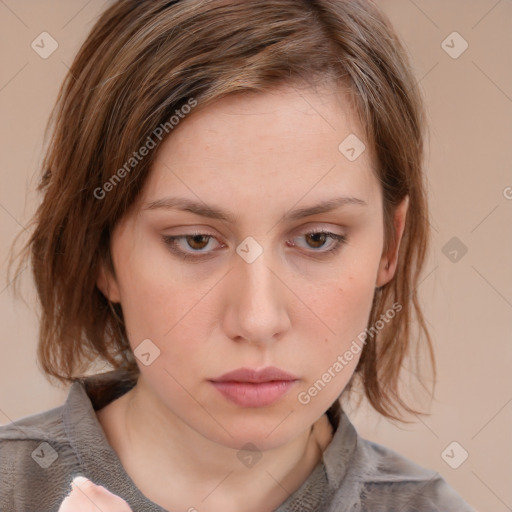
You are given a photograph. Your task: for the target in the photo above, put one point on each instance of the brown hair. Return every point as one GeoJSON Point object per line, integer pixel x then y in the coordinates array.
{"type": "Point", "coordinates": [141, 64]}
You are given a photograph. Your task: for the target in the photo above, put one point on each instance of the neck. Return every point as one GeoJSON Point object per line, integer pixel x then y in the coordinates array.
{"type": "Point", "coordinates": [167, 458]}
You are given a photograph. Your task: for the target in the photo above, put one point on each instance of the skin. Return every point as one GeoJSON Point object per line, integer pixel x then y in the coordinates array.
{"type": "Point", "coordinates": [257, 156]}
{"type": "Point", "coordinates": [85, 496]}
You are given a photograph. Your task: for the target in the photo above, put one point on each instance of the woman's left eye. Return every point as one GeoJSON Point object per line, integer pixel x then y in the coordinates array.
{"type": "Point", "coordinates": [196, 243]}
{"type": "Point", "coordinates": [319, 238]}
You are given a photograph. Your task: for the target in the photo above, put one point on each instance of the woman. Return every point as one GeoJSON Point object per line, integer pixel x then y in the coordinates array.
{"type": "Point", "coordinates": [234, 218]}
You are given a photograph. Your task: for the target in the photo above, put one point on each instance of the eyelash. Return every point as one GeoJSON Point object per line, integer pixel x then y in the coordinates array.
{"type": "Point", "coordinates": [170, 241]}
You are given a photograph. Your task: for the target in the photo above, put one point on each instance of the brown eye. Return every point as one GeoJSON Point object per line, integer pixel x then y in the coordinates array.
{"type": "Point", "coordinates": [192, 245]}
{"type": "Point", "coordinates": [195, 242]}
{"type": "Point", "coordinates": [318, 239]}
{"type": "Point", "coordinates": [329, 242]}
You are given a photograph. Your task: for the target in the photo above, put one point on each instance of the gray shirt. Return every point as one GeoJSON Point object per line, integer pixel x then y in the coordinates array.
{"type": "Point", "coordinates": [40, 455]}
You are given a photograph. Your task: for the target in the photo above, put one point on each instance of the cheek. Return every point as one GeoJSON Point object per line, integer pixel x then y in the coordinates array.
{"type": "Point", "coordinates": [343, 303]}
{"type": "Point", "coordinates": [151, 301]}
{"type": "Point", "coordinates": [144, 299]}
{"type": "Point", "coordinates": [344, 308]}
{"type": "Point", "coordinates": [343, 314]}
{"type": "Point", "coordinates": [161, 305]}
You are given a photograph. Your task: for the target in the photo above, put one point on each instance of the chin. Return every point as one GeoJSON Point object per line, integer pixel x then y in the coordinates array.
{"type": "Point", "coordinates": [264, 430]}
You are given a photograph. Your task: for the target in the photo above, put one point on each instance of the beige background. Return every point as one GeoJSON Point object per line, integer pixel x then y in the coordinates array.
{"type": "Point", "coordinates": [468, 302]}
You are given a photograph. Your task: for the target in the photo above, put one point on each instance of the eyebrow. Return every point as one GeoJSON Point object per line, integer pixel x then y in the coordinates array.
{"type": "Point", "coordinates": [204, 210]}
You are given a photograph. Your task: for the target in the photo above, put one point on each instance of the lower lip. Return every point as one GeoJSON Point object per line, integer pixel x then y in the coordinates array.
{"type": "Point", "coordinates": [248, 394]}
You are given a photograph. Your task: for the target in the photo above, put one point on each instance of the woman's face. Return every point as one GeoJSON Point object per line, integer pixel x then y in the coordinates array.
{"type": "Point", "coordinates": [258, 288]}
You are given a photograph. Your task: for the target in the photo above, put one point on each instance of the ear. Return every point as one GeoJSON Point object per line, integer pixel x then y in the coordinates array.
{"type": "Point", "coordinates": [107, 283]}
{"type": "Point", "coordinates": [388, 262]}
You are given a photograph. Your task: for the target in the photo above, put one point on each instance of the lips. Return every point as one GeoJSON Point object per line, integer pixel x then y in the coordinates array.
{"type": "Point", "coordinates": [268, 374]}
{"type": "Point", "coordinates": [254, 388]}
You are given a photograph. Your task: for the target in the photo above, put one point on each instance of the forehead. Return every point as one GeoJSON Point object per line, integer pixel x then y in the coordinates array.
{"type": "Point", "coordinates": [283, 144]}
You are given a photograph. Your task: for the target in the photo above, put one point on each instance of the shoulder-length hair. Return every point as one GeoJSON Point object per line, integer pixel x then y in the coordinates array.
{"type": "Point", "coordinates": [145, 62]}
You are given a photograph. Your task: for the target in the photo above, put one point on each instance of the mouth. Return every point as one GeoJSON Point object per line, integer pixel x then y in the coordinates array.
{"type": "Point", "coordinates": [268, 374]}
{"type": "Point", "coordinates": [254, 388]}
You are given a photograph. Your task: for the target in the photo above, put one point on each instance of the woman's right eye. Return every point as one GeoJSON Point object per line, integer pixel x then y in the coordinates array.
{"type": "Point", "coordinates": [190, 244]}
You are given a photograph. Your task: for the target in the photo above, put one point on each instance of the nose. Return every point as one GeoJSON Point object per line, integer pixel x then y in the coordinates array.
{"type": "Point", "coordinates": [257, 302]}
